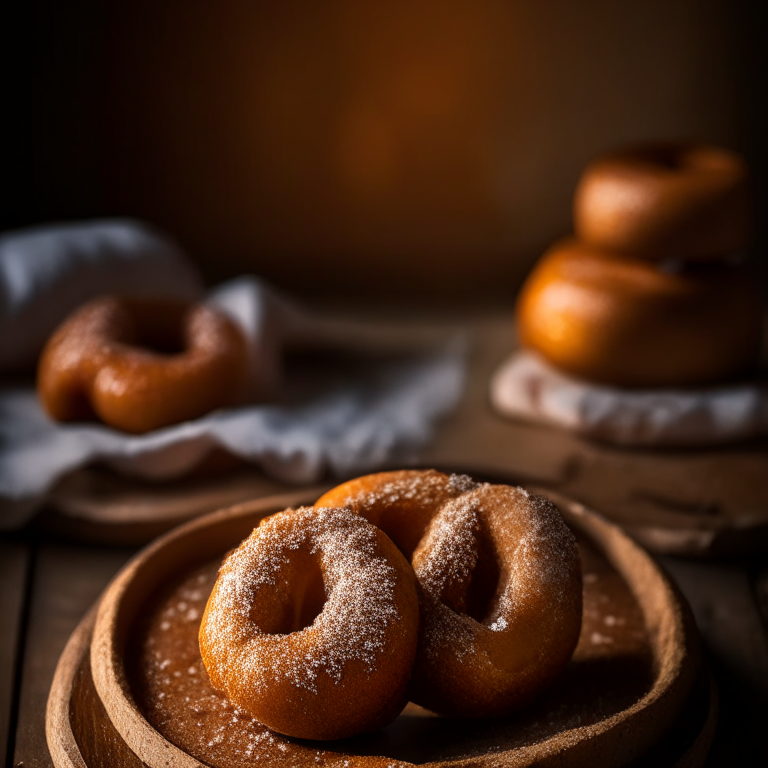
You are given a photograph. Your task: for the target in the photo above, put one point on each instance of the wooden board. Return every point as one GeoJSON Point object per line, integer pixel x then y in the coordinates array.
{"type": "Point", "coordinates": [686, 744]}
{"type": "Point", "coordinates": [736, 642]}
{"type": "Point", "coordinates": [691, 502]}
{"type": "Point", "coordinates": [67, 579]}
{"type": "Point", "coordinates": [100, 506]}
{"type": "Point", "coordinates": [14, 572]}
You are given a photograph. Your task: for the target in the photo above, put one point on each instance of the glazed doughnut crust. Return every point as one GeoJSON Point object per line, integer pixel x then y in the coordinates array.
{"type": "Point", "coordinates": [500, 585]}
{"type": "Point", "coordinates": [312, 625]}
{"type": "Point", "coordinates": [142, 364]}
{"type": "Point", "coordinates": [665, 201]}
{"type": "Point", "coordinates": [622, 321]}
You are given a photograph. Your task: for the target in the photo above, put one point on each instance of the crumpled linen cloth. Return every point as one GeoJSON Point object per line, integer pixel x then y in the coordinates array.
{"type": "Point", "coordinates": [375, 405]}
{"type": "Point", "coordinates": [527, 388]}
{"type": "Point", "coordinates": [47, 272]}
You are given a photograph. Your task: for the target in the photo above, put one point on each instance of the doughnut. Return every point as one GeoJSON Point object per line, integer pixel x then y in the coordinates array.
{"type": "Point", "coordinates": [142, 364]}
{"type": "Point", "coordinates": [626, 322]}
{"type": "Point", "coordinates": [681, 201]}
{"type": "Point", "coordinates": [312, 625]}
{"type": "Point", "coordinates": [499, 579]}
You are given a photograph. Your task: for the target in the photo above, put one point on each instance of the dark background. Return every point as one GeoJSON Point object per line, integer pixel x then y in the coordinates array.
{"type": "Point", "coordinates": [409, 151]}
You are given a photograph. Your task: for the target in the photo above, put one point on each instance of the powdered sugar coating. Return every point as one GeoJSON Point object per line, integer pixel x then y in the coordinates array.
{"type": "Point", "coordinates": [252, 638]}
{"type": "Point", "coordinates": [526, 631]}
{"type": "Point", "coordinates": [461, 483]}
{"type": "Point", "coordinates": [401, 503]}
{"type": "Point", "coordinates": [501, 585]}
{"type": "Point", "coordinates": [360, 588]}
{"type": "Point", "coordinates": [452, 539]}
{"type": "Point", "coordinates": [426, 489]}
{"type": "Point", "coordinates": [185, 709]}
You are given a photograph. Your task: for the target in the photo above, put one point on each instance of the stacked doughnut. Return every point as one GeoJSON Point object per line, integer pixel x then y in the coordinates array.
{"type": "Point", "coordinates": [460, 596]}
{"type": "Point", "coordinates": [653, 290]}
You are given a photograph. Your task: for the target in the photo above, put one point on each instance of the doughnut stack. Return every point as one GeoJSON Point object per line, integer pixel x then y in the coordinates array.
{"type": "Point", "coordinates": [653, 290]}
{"type": "Point", "coordinates": [463, 597]}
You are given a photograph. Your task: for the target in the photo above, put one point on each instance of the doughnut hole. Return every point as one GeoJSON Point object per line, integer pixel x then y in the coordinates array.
{"type": "Point", "coordinates": [483, 589]}
{"type": "Point", "coordinates": [294, 610]}
{"type": "Point", "coordinates": [160, 327]}
{"type": "Point", "coordinates": [458, 562]}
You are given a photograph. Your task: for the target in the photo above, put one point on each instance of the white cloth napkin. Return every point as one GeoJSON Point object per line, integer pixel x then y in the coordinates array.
{"type": "Point", "coordinates": [47, 272]}
{"type": "Point", "coordinates": [527, 388]}
{"type": "Point", "coordinates": [377, 404]}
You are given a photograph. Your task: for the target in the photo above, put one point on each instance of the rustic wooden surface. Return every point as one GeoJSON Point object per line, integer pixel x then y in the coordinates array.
{"type": "Point", "coordinates": [693, 502]}
{"type": "Point", "coordinates": [14, 569]}
{"type": "Point", "coordinates": [47, 583]}
{"type": "Point", "coordinates": [65, 579]}
{"type": "Point", "coordinates": [735, 634]}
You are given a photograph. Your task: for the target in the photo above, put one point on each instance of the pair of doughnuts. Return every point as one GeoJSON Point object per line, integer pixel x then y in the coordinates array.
{"type": "Point", "coordinates": [142, 364]}
{"type": "Point", "coordinates": [486, 615]}
{"type": "Point", "coordinates": [650, 292]}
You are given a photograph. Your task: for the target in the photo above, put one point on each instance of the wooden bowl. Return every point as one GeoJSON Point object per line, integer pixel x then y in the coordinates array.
{"type": "Point", "coordinates": [81, 735]}
{"type": "Point", "coordinates": [636, 726]}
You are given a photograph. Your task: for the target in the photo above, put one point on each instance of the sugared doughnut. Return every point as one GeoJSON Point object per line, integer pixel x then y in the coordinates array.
{"type": "Point", "coordinates": [500, 584]}
{"type": "Point", "coordinates": [312, 625]}
{"type": "Point", "coordinates": [142, 364]}
{"type": "Point", "coordinates": [662, 201]}
{"type": "Point", "coordinates": [628, 322]}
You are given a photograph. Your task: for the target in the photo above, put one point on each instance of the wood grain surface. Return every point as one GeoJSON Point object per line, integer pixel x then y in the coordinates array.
{"type": "Point", "coordinates": [66, 582]}
{"type": "Point", "coordinates": [78, 731]}
{"type": "Point", "coordinates": [730, 647]}
{"type": "Point", "coordinates": [736, 642]}
{"type": "Point", "coordinates": [14, 571]}
{"type": "Point", "coordinates": [692, 502]}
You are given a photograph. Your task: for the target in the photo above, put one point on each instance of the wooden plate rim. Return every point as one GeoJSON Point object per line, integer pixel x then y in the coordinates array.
{"type": "Point", "coordinates": [65, 751]}
{"type": "Point", "coordinates": [62, 744]}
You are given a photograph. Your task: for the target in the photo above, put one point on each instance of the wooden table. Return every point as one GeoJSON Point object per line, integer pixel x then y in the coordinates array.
{"type": "Point", "coordinates": [48, 582]}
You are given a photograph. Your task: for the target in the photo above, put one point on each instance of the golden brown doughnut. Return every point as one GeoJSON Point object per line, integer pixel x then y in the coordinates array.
{"type": "Point", "coordinates": [665, 201]}
{"type": "Point", "coordinates": [500, 585]}
{"type": "Point", "coordinates": [312, 625]}
{"type": "Point", "coordinates": [142, 364]}
{"type": "Point", "coordinates": [626, 322]}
